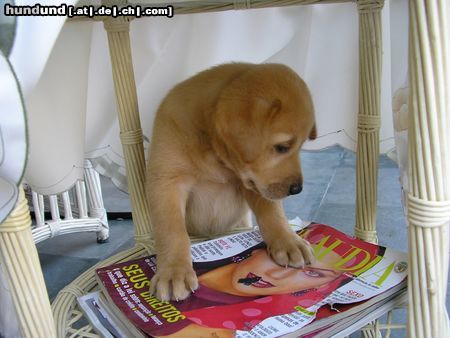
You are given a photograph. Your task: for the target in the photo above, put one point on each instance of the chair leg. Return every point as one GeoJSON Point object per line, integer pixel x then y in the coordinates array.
{"type": "Point", "coordinates": [20, 259]}
{"type": "Point", "coordinates": [429, 166]}
{"type": "Point", "coordinates": [96, 206]}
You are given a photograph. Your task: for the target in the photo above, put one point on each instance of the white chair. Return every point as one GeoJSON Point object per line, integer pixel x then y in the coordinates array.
{"type": "Point", "coordinates": [81, 207]}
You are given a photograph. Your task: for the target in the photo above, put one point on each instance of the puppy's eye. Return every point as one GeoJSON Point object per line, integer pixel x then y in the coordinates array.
{"type": "Point", "coordinates": [281, 148]}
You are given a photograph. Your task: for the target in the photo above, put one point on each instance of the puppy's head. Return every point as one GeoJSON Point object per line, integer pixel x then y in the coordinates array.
{"type": "Point", "coordinates": [261, 120]}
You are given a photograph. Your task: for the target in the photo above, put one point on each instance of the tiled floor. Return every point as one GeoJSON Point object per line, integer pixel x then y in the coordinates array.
{"type": "Point", "coordinates": [328, 197]}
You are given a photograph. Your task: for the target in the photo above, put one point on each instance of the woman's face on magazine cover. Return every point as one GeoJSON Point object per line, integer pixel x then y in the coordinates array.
{"type": "Point", "coordinates": [260, 275]}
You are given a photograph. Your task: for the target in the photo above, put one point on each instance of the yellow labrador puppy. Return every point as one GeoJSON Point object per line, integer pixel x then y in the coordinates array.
{"type": "Point", "coordinates": [225, 142]}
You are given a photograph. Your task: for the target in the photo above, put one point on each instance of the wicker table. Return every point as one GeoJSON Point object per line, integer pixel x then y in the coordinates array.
{"type": "Point", "coordinates": [429, 152]}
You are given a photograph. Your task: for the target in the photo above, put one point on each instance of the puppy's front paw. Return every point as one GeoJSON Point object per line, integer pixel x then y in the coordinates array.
{"type": "Point", "coordinates": [174, 281]}
{"type": "Point", "coordinates": [291, 250]}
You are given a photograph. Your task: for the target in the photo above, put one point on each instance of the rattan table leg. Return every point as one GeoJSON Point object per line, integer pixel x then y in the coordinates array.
{"type": "Point", "coordinates": [370, 68]}
{"type": "Point", "coordinates": [368, 117]}
{"type": "Point", "coordinates": [19, 257]}
{"type": "Point", "coordinates": [130, 127]}
{"type": "Point", "coordinates": [429, 167]}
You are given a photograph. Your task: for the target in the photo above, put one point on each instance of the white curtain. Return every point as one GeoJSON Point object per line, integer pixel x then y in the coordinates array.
{"type": "Point", "coordinates": [72, 110]}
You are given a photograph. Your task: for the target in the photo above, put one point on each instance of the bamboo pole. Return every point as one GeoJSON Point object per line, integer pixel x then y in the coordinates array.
{"type": "Point", "coordinates": [429, 165]}
{"type": "Point", "coordinates": [368, 117]}
{"type": "Point", "coordinates": [130, 127]}
{"type": "Point", "coordinates": [19, 257]}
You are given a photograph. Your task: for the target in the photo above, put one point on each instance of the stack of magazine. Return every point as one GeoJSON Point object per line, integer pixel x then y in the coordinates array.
{"type": "Point", "coordinates": [243, 293]}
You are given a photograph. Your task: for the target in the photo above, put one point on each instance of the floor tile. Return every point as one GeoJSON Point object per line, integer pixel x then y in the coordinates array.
{"type": "Point", "coordinates": [305, 204]}
{"type": "Point", "coordinates": [61, 270]}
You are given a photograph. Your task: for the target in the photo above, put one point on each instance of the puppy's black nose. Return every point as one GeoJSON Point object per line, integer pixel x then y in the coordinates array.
{"type": "Point", "coordinates": [295, 189]}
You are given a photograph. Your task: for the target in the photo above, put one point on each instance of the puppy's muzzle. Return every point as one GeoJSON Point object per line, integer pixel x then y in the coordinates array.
{"type": "Point", "coordinates": [281, 190]}
{"type": "Point", "coordinates": [295, 188]}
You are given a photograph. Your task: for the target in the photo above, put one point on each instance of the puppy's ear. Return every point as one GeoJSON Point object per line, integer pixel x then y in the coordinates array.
{"type": "Point", "coordinates": [313, 133]}
{"type": "Point", "coordinates": [238, 141]}
{"type": "Point", "coordinates": [239, 123]}
{"type": "Point", "coordinates": [275, 108]}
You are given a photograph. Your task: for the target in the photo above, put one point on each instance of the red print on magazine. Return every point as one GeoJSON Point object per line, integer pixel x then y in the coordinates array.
{"type": "Point", "coordinates": [247, 294]}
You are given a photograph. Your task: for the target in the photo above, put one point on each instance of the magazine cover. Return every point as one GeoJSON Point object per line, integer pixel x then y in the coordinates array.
{"type": "Point", "coordinates": [243, 293]}
{"type": "Point", "coordinates": [104, 319]}
{"type": "Point", "coordinates": [98, 318]}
